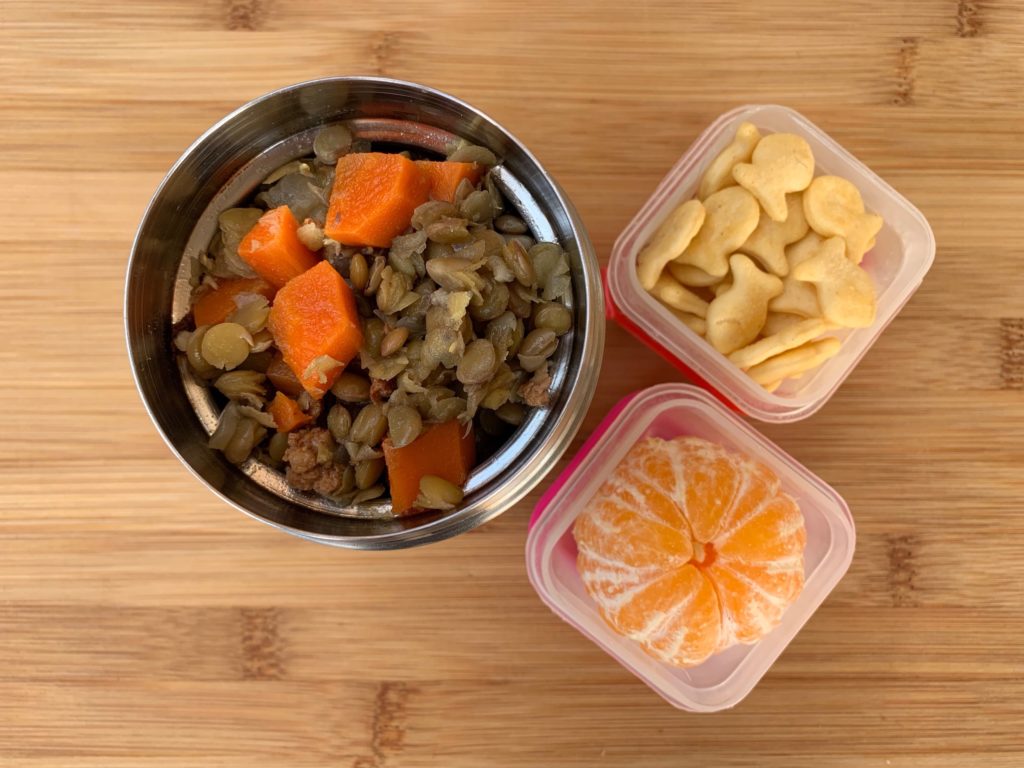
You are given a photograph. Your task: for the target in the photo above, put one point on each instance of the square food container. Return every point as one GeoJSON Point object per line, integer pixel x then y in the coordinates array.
{"type": "Point", "coordinates": [903, 253]}
{"type": "Point", "coordinates": [668, 411]}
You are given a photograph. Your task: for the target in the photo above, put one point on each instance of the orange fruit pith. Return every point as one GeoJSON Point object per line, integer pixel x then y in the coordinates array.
{"type": "Point", "coordinates": [689, 548]}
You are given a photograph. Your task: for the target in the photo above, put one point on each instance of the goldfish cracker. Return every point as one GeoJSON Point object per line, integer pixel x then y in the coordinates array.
{"type": "Point", "coordinates": [668, 242]}
{"type": "Point", "coordinates": [833, 207]}
{"type": "Point", "coordinates": [767, 243]}
{"type": "Point", "coordinates": [794, 362]}
{"type": "Point", "coordinates": [776, 322]}
{"type": "Point", "coordinates": [668, 291]}
{"type": "Point", "coordinates": [718, 174]}
{"type": "Point", "coordinates": [781, 163]}
{"type": "Point", "coordinates": [845, 291]}
{"type": "Point", "coordinates": [730, 216]}
{"type": "Point", "coordinates": [794, 336]}
{"type": "Point", "coordinates": [798, 297]}
{"type": "Point", "coordinates": [696, 324]}
{"type": "Point", "coordinates": [691, 276]}
{"type": "Point", "coordinates": [736, 316]}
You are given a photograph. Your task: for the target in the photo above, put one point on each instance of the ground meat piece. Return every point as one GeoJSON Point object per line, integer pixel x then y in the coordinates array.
{"type": "Point", "coordinates": [381, 390]}
{"type": "Point", "coordinates": [302, 480]}
{"type": "Point", "coordinates": [536, 391]}
{"type": "Point", "coordinates": [330, 478]}
{"type": "Point", "coordinates": [310, 459]}
{"type": "Point", "coordinates": [304, 447]}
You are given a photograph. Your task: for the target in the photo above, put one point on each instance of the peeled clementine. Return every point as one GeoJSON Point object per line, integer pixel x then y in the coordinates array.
{"type": "Point", "coordinates": [689, 548]}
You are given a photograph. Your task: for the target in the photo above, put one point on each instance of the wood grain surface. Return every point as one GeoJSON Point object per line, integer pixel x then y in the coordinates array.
{"type": "Point", "coordinates": [144, 623]}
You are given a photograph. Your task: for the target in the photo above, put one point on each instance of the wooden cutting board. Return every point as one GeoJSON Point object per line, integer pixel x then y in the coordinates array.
{"type": "Point", "coordinates": [144, 623]}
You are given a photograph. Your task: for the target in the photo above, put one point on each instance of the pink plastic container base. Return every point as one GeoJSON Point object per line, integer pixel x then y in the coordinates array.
{"type": "Point", "coordinates": [667, 411]}
{"type": "Point", "coordinates": [903, 253]}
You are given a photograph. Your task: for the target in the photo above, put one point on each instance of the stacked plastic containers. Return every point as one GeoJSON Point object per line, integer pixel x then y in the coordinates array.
{"type": "Point", "coordinates": [902, 255]}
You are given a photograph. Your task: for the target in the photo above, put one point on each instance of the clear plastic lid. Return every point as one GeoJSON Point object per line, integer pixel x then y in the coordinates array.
{"type": "Point", "coordinates": [667, 411]}
{"type": "Point", "coordinates": [903, 253]}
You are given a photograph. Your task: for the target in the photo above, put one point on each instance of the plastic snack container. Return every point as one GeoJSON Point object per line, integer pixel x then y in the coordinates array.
{"type": "Point", "coordinates": [903, 253]}
{"type": "Point", "coordinates": [667, 411]}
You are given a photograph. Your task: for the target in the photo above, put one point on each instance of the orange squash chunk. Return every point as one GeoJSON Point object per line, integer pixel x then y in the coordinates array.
{"type": "Point", "coordinates": [446, 176]}
{"type": "Point", "coordinates": [373, 198]}
{"type": "Point", "coordinates": [273, 248]}
{"type": "Point", "coordinates": [215, 306]}
{"type": "Point", "coordinates": [314, 317]}
{"type": "Point", "coordinates": [286, 413]}
{"type": "Point", "coordinates": [442, 450]}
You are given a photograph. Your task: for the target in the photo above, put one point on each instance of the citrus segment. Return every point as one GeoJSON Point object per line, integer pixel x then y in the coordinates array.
{"type": "Point", "coordinates": [638, 542]}
{"type": "Point", "coordinates": [709, 484]}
